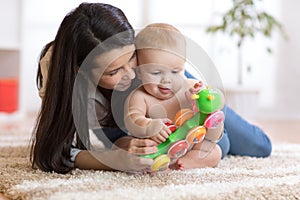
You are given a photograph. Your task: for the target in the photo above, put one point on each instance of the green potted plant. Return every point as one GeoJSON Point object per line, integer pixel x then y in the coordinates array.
{"type": "Point", "coordinates": [243, 21]}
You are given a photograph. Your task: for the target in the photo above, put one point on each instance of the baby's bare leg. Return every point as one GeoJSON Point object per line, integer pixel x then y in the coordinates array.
{"type": "Point", "coordinates": [193, 159]}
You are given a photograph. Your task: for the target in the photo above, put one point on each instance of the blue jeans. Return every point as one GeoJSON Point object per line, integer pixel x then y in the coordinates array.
{"type": "Point", "coordinates": [240, 137]}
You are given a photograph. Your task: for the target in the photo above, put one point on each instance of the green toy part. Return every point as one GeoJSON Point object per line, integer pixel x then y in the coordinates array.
{"type": "Point", "coordinates": [209, 100]}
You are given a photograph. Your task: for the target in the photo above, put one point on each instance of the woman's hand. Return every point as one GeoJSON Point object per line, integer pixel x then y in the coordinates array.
{"type": "Point", "coordinates": [136, 146]}
{"type": "Point", "coordinates": [122, 160]}
{"type": "Point", "coordinates": [132, 148]}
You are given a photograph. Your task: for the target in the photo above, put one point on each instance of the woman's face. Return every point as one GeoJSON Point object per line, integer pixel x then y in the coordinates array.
{"type": "Point", "coordinates": [119, 68]}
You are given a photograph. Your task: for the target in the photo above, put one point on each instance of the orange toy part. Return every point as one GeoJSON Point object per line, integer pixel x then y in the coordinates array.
{"type": "Point", "coordinates": [196, 134]}
{"type": "Point", "coordinates": [182, 116]}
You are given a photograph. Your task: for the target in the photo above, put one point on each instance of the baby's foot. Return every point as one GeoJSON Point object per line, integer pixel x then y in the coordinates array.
{"type": "Point", "coordinates": [186, 162]}
{"type": "Point", "coordinates": [192, 160]}
{"type": "Point", "coordinates": [178, 165]}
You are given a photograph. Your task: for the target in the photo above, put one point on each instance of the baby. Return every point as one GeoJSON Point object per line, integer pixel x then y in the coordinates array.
{"type": "Point", "coordinates": [161, 50]}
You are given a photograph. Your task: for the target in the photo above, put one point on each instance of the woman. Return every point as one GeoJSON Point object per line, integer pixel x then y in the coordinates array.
{"type": "Point", "coordinates": [80, 32]}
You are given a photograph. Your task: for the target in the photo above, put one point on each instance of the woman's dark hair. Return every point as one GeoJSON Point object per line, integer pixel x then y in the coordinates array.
{"type": "Point", "coordinates": [83, 29]}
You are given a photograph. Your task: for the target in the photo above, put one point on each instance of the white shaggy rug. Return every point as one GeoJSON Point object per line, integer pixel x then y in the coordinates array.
{"type": "Point", "coordinates": [276, 177]}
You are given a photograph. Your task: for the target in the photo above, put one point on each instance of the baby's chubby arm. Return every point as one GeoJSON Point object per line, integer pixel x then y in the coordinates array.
{"type": "Point", "coordinates": [138, 124]}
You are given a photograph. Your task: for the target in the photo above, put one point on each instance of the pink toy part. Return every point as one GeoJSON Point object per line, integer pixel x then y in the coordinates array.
{"type": "Point", "coordinates": [196, 134]}
{"type": "Point", "coordinates": [191, 101]}
{"type": "Point", "coordinates": [214, 119]}
{"type": "Point", "coordinates": [178, 149]}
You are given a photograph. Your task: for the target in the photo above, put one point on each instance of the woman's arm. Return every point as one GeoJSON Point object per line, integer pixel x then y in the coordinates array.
{"type": "Point", "coordinates": [85, 160]}
{"type": "Point", "coordinates": [122, 157]}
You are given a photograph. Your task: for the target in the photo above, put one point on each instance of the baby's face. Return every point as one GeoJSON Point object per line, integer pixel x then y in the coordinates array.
{"type": "Point", "coordinates": [161, 72]}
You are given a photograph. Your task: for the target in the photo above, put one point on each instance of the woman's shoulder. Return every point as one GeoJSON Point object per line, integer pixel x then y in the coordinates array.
{"type": "Point", "coordinates": [44, 67]}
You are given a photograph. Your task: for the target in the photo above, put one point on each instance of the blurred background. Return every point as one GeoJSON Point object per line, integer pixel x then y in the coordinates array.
{"type": "Point", "coordinates": [270, 89]}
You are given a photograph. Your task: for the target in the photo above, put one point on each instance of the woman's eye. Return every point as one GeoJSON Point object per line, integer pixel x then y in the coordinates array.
{"type": "Point", "coordinates": [133, 57]}
{"type": "Point", "coordinates": [114, 72]}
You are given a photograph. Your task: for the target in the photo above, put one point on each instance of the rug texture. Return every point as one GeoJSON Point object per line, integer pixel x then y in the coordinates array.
{"type": "Point", "coordinates": [276, 177]}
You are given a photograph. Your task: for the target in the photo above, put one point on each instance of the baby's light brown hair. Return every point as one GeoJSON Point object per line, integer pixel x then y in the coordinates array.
{"type": "Point", "coordinates": [161, 36]}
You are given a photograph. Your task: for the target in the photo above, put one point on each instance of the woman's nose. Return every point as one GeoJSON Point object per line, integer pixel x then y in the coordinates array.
{"type": "Point", "coordinates": [129, 73]}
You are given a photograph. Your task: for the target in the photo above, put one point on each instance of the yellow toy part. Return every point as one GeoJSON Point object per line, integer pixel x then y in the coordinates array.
{"type": "Point", "coordinates": [161, 163]}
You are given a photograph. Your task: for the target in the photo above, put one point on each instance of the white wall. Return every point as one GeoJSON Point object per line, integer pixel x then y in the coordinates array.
{"type": "Point", "coordinates": [39, 21]}
{"type": "Point", "coordinates": [287, 76]}
{"type": "Point", "coordinates": [10, 24]}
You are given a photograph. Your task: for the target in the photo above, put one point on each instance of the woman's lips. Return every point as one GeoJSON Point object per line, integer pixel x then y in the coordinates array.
{"type": "Point", "coordinates": [125, 84]}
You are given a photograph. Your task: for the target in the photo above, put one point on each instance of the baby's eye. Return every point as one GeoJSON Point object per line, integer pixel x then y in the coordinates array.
{"type": "Point", "coordinates": [175, 71]}
{"type": "Point", "coordinates": [155, 72]}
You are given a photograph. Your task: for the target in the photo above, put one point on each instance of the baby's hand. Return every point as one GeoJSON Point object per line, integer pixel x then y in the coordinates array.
{"type": "Point", "coordinates": [197, 87]}
{"type": "Point", "coordinates": [194, 90]}
{"type": "Point", "coordinates": [164, 133]}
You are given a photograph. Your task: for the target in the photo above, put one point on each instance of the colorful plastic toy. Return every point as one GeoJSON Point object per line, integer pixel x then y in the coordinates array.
{"type": "Point", "coordinates": [191, 127]}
